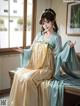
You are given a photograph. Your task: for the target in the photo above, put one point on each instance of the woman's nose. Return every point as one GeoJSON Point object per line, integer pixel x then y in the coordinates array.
{"type": "Point", "coordinates": [45, 25]}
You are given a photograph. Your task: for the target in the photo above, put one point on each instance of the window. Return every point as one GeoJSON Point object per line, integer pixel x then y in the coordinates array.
{"type": "Point", "coordinates": [5, 0]}
{"type": "Point", "coordinates": [15, 1]}
{"type": "Point", "coordinates": [16, 24]}
{"type": "Point", "coordinates": [5, 10]}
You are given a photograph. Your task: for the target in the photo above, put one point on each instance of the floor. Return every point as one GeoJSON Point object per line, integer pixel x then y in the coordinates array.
{"type": "Point", "coordinates": [69, 100]}
{"type": "Point", "coordinates": [4, 99]}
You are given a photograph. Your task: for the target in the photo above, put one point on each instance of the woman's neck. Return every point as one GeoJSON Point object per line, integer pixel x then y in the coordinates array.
{"type": "Point", "coordinates": [48, 33]}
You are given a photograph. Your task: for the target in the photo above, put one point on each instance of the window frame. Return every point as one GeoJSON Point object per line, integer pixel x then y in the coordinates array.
{"type": "Point", "coordinates": [15, 50]}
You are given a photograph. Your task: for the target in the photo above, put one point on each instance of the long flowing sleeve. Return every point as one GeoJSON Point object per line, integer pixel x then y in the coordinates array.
{"type": "Point", "coordinates": [58, 45]}
{"type": "Point", "coordinates": [26, 57]}
{"type": "Point", "coordinates": [71, 63]}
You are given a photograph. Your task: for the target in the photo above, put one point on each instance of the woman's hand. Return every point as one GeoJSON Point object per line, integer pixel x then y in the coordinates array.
{"type": "Point", "coordinates": [72, 44]}
{"type": "Point", "coordinates": [18, 50]}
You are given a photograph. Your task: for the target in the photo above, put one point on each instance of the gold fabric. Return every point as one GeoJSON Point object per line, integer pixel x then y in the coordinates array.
{"type": "Point", "coordinates": [29, 85]}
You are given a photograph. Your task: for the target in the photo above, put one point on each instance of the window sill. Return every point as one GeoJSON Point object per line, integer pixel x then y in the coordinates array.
{"type": "Point", "coordinates": [6, 51]}
{"type": "Point", "coordinates": [11, 51]}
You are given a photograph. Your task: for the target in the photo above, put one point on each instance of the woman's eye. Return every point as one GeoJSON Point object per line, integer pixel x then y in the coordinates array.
{"type": "Point", "coordinates": [45, 22]}
{"type": "Point", "coordinates": [42, 23]}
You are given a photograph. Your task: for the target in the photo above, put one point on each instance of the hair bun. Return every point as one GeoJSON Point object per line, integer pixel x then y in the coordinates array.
{"type": "Point", "coordinates": [49, 10]}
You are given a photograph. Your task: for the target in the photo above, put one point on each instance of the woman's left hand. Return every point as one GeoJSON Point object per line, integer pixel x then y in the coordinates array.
{"type": "Point", "coordinates": [72, 44]}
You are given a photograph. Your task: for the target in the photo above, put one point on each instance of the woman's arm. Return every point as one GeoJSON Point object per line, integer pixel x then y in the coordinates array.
{"type": "Point", "coordinates": [72, 44]}
{"type": "Point", "coordinates": [58, 45]}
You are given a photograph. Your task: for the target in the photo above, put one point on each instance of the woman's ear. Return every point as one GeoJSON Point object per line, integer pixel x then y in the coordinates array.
{"type": "Point", "coordinates": [53, 24]}
{"type": "Point", "coordinates": [42, 29]}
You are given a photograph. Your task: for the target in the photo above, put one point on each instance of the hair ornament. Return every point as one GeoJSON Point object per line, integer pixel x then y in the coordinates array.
{"type": "Point", "coordinates": [49, 11]}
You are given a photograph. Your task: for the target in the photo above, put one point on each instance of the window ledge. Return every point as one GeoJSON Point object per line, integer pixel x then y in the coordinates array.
{"type": "Point", "coordinates": [11, 51]}
{"type": "Point", "coordinates": [6, 51]}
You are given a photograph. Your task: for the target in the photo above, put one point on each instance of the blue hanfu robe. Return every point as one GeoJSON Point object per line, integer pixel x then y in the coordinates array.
{"type": "Point", "coordinates": [65, 56]}
{"type": "Point", "coordinates": [66, 59]}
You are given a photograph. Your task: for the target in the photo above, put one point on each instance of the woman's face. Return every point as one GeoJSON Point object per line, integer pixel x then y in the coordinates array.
{"type": "Point", "coordinates": [47, 25]}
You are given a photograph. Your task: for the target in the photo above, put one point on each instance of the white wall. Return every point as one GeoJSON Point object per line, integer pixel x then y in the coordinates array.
{"type": "Point", "coordinates": [41, 6]}
{"type": "Point", "coordinates": [7, 63]}
{"type": "Point", "coordinates": [61, 9]}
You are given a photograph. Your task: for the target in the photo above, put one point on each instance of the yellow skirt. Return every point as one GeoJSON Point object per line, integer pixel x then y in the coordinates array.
{"type": "Point", "coordinates": [31, 85]}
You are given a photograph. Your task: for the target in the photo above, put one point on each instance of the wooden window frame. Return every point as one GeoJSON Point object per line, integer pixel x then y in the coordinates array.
{"type": "Point", "coordinates": [16, 50]}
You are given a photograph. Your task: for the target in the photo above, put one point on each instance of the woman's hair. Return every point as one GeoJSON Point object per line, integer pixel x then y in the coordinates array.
{"type": "Point", "coordinates": [50, 15]}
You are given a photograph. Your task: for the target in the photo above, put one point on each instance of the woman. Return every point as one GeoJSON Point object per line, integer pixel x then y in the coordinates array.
{"type": "Point", "coordinates": [44, 61]}
{"type": "Point", "coordinates": [44, 50]}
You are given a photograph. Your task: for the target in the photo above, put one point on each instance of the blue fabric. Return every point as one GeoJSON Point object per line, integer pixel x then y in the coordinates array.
{"type": "Point", "coordinates": [57, 93]}
{"type": "Point", "coordinates": [64, 57]}
{"type": "Point", "coordinates": [26, 57]}
{"type": "Point", "coordinates": [71, 62]}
